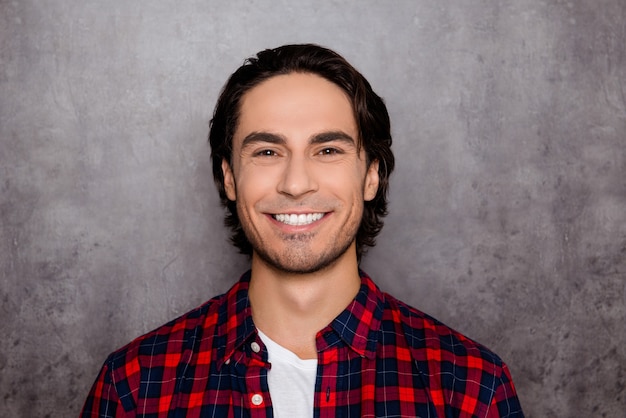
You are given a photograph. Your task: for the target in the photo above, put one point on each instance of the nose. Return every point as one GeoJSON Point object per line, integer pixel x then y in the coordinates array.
{"type": "Point", "coordinates": [297, 178]}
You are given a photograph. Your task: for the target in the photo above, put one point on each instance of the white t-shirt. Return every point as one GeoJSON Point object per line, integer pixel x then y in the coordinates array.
{"type": "Point", "coordinates": [291, 381]}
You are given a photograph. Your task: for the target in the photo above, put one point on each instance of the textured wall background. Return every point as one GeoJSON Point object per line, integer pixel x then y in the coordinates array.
{"type": "Point", "coordinates": [508, 207]}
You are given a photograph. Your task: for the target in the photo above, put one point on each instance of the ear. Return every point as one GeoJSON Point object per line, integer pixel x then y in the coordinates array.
{"type": "Point", "coordinates": [371, 181]}
{"type": "Point", "coordinates": [229, 181]}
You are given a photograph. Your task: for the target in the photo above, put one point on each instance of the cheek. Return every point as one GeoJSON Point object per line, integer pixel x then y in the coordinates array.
{"type": "Point", "coordinates": [345, 187]}
{"type": "Point", "coordinates": [253, 185]}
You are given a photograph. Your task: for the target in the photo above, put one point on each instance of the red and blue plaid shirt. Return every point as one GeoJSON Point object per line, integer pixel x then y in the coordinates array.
{"type": "Point", "coordinates": [378, 358]}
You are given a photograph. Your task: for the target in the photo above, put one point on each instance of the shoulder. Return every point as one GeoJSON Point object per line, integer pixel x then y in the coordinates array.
{"type": "Point", "coordinates": [469, 376]}
{"type": "Point", "coordinates": [153, 360]}
{"type": "Point", "coordinates": [167, 344]}
{"type": "Point", "coordinates": [423, 331]}
{"type": "Point", "coordinates": [447, 359]}
{"type": "Point", "coordinates": [152, 365]}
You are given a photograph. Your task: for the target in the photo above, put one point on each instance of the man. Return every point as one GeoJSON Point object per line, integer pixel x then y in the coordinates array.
{"type": "Point", "coordinates": [301, 157]}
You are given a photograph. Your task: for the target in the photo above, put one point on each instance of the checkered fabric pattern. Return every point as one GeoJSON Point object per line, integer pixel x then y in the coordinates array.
{"type": "Point", "coordinates": [378, 358]}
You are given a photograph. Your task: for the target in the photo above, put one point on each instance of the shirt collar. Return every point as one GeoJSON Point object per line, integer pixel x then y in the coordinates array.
{"type": "Point", "coordinates": [235, 323]}
{"type": "Point", "coordinates": [358, 326]}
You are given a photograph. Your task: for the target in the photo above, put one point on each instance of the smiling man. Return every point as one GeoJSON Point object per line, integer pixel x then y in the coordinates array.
{"type": "Point", "coordinates": [301, 151]}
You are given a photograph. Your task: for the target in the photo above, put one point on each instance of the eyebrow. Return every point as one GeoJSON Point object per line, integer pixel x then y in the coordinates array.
{"type": "Point", "coordinates": [319, 138]}
{"type": "Point", "coordinates": [255, 137]}
{"type": "Point", "coordinates": [332, 136]}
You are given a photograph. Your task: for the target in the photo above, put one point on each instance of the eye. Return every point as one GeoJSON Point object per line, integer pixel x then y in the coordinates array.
{"type": "Point", "coordinates": [266, 153]}
{"type": "Point", "coordinates": [329, 151]}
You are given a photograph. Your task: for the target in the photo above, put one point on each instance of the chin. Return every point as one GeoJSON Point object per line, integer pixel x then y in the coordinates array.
{"type": "Point", "coordinates": [303, 262]}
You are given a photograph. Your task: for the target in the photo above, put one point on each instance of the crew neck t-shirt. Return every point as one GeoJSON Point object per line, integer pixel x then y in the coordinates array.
{"type": "Point", "coordinates": [291, 381]}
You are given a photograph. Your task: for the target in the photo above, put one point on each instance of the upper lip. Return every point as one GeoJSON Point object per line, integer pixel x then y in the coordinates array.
{"type": "Point", "coordinates": [297, 212]}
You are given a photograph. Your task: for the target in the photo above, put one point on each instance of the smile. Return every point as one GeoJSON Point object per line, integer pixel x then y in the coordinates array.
{"type": "Point", "coordinates": [298, 220]}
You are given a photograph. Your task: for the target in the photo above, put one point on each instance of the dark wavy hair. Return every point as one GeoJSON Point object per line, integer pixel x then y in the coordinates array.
{"type": "Point", "coordinates": [369, 110]}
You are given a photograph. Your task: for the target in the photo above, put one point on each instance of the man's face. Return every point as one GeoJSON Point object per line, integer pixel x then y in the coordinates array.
{"type": "Point", "coordinates": [297, 175]}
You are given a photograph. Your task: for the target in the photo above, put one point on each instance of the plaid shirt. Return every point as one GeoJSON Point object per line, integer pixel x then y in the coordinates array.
{"type": "Point", "coordinates": [378, 358]}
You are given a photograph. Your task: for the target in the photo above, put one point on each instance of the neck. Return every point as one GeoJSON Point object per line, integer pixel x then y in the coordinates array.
{"type": "Point", "coordinates": [291, 308]}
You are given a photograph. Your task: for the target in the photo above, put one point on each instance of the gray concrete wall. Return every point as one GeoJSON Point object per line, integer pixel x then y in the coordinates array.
{"type": "Point", "coordinates": [508, 207]}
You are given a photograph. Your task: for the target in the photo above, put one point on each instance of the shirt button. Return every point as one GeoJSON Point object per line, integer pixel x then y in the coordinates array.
{"type": "Point", "coordinates": [256, 348]}
{"type": "Point", "coordinates": [257, 399]}
{"type": "Point", "coordinates": [227, 362]}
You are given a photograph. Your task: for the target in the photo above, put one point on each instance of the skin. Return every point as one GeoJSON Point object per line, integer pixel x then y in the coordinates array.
{"type": "Point", "coordinates": [295, 154]}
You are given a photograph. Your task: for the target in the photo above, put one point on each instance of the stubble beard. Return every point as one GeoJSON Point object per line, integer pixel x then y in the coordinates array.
{"type": "Point", "coordinates": [298, 259]}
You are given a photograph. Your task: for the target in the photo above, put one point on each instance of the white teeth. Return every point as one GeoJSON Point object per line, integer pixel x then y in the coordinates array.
{"type": "Point", "coordinates": [297, 220]}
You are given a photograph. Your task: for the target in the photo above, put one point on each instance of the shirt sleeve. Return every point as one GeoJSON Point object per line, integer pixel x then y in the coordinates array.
{"type": "Point", "coordinates": [103, 400]}
{"type": "Point", "coordinates": [505, 402]}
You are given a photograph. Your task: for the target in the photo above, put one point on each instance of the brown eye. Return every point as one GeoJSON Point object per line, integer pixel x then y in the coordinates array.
{"type": "Point", "coordinates": [330, 151]}
{"type": "Point", "coordinates": [266, 153]}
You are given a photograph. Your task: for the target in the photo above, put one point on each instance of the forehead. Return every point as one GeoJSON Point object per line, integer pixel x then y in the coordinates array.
{"type": "Point", "coordinates": [301, 101]}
